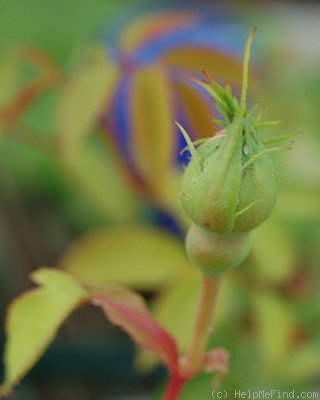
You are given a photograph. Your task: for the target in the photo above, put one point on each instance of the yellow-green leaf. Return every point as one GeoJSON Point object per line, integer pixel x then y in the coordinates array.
{"type": "Point", "coordinates": [96, 176]}
{"type": "Point", "coordinates": [152, 128]}
{"type": "Point", "coordinates": [273, 252]}
{"type": "Point", "coordinates": [303, 364]}
{"type": "Point", "coordinates": [138, 256]}
{"type": "Point", "coordinates": [33, 320]}
{"type": "Point", "coordinates": [87, 93]}
{"type": "Point", "coordinates": [180, 300]}
{"type": "Point", "coordinates": [274, 322]}
{"type": "Point", "coordinates": [169, 199]}
{"type": "Point", "coordinates": [83, 96]}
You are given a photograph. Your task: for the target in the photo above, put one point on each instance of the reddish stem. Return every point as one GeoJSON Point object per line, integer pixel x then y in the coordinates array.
{"type": "Point", "coordinates": [175, 384]}
{"type": "Point", "coordinates": [202, 326]}
{"type": "Point", "coordinates": [194, 359]}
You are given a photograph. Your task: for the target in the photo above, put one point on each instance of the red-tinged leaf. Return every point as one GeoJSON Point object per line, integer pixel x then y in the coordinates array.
{"type": "Point", "coordinates": [47, 74]}
{"type": "Point", "coordinates": [197, 111]}
{"type": "Point", "coordinates": [33, 320]}
{"type": "Point", "coordinates": [197, 59]}
{"type": "Point", "coordinates": [128, 310]}
{"type": "Point", "coordinates": [216, 360]}
{"type": "Point", "coordinates": [150, 27]}
{"type": "Point", "coordinates": [152, 128]}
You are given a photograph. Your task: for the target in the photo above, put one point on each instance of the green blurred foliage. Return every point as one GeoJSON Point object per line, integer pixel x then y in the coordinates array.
{"type": "Point", "coordinates": [56, 27]}
{"type": "Point", "coordinates": [268, 312]}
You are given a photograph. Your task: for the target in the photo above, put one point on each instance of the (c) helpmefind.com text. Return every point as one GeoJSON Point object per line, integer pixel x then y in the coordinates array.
{"type": "Point", "coordinates": [263, 394]}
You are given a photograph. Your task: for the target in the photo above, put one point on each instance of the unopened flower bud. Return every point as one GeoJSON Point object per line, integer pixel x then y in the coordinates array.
{"type": "Point", "coordinates": [229, 186]}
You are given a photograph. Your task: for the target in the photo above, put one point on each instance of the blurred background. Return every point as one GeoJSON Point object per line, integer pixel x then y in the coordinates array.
{"type": "Point", "coordinates": [89, 182]}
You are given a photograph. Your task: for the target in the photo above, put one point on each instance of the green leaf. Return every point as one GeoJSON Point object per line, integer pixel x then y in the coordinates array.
{"type": "Point", "coordinates": [273, 252]}
{"type": "Point", "coordinates": [138, 256]}
{"type": "Point", "coordinates": [180, 299]}
{"type": "Point", "coordinates": [33, 320]}
{"type": "Point", "coordinates": [169, 199]}
{"type": "Point", "coordinates": [303, 363]}
{"type": "Point", "coordinates": [274, 322]}
{"type": "Point", "coordinates": [87, 93]}
{"type": "Point", "coordinates": [152, 128]}
{"type": "Point", "coordinates": [128, 310]}
{"type": "Point", "coordinates": [97, 178]}
{"type": "Point", "coordinates": [83, 97]}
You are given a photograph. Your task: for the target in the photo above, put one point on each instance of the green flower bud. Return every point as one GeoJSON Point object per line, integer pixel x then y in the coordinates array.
{"type": "Point", "coordinates": [229, 184]}
{"type": "Point", "coordinates": [226, 188]}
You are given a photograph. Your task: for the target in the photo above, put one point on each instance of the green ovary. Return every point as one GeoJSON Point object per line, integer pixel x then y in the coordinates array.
{"type": "Point", "coordinates": [215, 253]}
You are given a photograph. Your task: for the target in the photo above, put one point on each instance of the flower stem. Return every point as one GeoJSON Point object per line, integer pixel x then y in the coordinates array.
{"type": "Point", "coordinates": [174, 387]}
{"type": "Point", "coordinates": [202, 327]}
